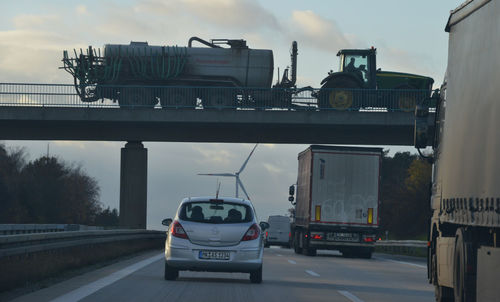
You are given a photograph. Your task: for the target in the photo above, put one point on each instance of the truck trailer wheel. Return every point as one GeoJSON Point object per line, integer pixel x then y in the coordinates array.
{"type": "Point", "coordinates": [137, 97]}
{"type": "Point", "coordinates": [464, 269]}
{"type": "Point", "coordinates": [365, 253]}
{"type": "Point", "coordinates": [442, 293]}
{"type": "Point", "coordinates": [175, 98]}
{"type": "Point", "coordinates": [310, 252]}
{"type": "Point", "coordinates": [219, 99]}
{"type": "Point", "coordinates": [296, 243]}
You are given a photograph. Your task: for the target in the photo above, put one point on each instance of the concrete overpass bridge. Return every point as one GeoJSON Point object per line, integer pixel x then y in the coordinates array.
{"type": "Point", "coordinates": [56, 112]}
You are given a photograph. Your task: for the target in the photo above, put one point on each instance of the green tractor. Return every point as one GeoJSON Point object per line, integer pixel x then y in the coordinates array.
{"type": "Point", "coordinates": [369, 87]}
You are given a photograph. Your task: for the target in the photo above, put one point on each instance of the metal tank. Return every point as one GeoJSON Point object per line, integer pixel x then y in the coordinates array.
{"type": "Point", "coordinates": [213, 66]}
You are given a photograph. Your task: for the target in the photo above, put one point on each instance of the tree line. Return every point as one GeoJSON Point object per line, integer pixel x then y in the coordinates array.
{"type": "Point", "coordinates": [405, 195]}
{"type": "Point", "coordinates": [48, 190]}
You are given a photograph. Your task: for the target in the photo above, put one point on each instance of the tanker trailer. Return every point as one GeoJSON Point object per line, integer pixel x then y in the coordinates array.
{"type": "Point", "coordinates": [139, 74]}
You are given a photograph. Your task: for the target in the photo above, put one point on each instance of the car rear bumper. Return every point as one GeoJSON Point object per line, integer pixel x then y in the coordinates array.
{"type": "Point", "coordinates": [244, 260]}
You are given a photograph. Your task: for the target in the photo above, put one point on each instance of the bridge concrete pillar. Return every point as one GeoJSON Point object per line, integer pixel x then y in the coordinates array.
{"type": "Point", "coordinates": [133, 185]}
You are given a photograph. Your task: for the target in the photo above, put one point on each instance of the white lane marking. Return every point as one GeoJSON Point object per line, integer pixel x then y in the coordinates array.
{"type": "Point", "coordinates": [91, 288]}
{"type": "Point", "coordinates": [350, 296]}
{"type": "Point", "coordinates": [279, 255]}
{"type": "Point", "coordinates": [292, 262]}
{"type": "Point", "coordinates": [312, 273]}
{"type": "Point", "coordinates": [404, 262]}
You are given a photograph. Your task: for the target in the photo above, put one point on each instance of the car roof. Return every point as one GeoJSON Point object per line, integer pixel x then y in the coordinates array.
{"type": "Point", "coordinates": [225, 199]}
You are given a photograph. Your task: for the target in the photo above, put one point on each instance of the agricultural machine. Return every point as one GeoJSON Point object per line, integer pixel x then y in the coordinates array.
{"type": "Point", "coordinates": [139, 74]}
{"type": "Point", "coordinates": [367, 86]}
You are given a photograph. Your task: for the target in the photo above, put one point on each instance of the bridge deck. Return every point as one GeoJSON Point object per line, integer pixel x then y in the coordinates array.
{"type": "Point", "coordinates": [55, 112]}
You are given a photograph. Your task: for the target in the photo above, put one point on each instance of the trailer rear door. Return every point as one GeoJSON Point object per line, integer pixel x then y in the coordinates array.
{"type": "Point", "coordinates": [345, 187]}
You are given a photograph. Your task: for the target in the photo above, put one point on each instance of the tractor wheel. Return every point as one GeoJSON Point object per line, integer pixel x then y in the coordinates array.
{"type": "Point", "coordinates": [406, 100]}
{"type": "Point", "coordinates": [332, 96]}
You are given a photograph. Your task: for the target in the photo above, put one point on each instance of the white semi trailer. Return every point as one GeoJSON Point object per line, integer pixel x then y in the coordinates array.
{"type": "Point", "coordinates": [464, 251]}
{"type": "Point", "coordinates": [337, 203]}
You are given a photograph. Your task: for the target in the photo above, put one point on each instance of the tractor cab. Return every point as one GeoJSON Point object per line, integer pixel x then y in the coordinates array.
{"type": "Point", "coordinates": [361, 63]}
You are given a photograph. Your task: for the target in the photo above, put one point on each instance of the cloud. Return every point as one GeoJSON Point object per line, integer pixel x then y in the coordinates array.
{"type": "Point", "coordinates": [243, 14]}
{"type": "Point", "coordinates": [81, 10]}
{"type": "Point", "coordinates": [25, 21]}
{"type": "Point", "coordinates": [273, 169]}
{"type": "Point", "coordinates": [218, 156]}
{"type": "Point", "coordinates": [314, 30]}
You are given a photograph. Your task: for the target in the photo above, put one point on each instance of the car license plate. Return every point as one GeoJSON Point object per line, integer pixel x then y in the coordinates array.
{"type": "Point", "coordinates": [214, 255]}
{"type": "Point", "coordinates": [342, 236]}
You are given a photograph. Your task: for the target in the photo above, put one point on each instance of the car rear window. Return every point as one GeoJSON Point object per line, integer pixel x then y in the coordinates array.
{"type": "Point", "coordinates": [216, 212]}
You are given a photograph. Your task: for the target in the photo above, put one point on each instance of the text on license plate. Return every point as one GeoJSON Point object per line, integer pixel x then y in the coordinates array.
{"type": "Point", "coordinates": [217, 255]}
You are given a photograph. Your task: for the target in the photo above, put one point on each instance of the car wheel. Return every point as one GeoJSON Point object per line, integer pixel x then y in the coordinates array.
{"type": "Point", "coordinates": [256, 276]}
{"type": "Point", "coordinates": [170, 272]}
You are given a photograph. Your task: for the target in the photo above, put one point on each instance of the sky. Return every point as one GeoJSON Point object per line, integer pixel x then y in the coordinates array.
{"type": "Point", "coordinates": [409, 37]}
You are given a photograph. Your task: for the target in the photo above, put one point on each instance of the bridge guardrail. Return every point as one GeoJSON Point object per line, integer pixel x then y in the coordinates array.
{"type": "Point", "coordinates": [219, 98]}
{"type": "Point", "coordinates": [28, 243]}
{"type": "Point", "coordinates": [30, 257]}
{"type": "Point", "coordinates": [12, 229]}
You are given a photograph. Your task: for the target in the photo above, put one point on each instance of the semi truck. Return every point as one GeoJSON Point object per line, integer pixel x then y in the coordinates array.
{"type": "Point", "coordinates": [464, 234]}
{"type": "Point", "coordinates": [337, 200]}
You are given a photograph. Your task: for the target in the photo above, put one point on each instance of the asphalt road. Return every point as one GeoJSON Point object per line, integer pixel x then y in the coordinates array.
{"type": "Point", "coordinates": [287, 277]}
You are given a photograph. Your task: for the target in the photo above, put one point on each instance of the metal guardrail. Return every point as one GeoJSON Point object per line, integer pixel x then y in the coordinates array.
{"type": "Point", "coordinates": [236, 98]}
{"type": "Point", "coordinates": [12, 229]}
{"type": "Point", "coordinates": [29, 243]}
{"type": "Point", "coordinates": [402, 247]}
{"type": "Point", "coordinates": [405, 243]}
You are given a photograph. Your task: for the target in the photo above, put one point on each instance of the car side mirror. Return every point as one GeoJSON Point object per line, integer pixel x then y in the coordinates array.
{"type": "Point", "coordinates": [264, 225]}
{"type": "Point", "coordinates": [166, 222]}
{"type": "Point", "coordinates": [421, 136]}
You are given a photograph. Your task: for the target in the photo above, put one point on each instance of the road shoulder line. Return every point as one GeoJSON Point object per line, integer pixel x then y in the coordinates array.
{"type": "Point", "coordinates": [349, 296]}
{"type": "Point", "coordinates": [312, 273]}
{"type": "Point", "coordinates": [92, 287]}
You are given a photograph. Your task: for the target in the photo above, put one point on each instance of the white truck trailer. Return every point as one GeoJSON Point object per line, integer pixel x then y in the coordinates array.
{"type": "Point", "coordinates": [464, 246]}
{"type": "Point", "coordinates": [337, 204]}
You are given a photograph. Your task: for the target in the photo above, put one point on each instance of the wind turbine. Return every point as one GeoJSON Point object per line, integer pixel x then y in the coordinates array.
{"type": "Point", "coordinates": [236, 175]}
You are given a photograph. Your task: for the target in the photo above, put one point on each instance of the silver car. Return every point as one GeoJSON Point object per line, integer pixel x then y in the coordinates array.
{"type": "Point", "coordinates": [214, 234]}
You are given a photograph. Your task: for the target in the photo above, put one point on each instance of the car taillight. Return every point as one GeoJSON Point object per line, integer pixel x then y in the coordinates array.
{"type": "Point", "coordinates": [290, 235]}
{"type": "Point", "coordinates": [178, 231]}
{"type": "Point", "coordinates": [252, 233]}
{"type": "Point", "coordinates": [267, 234]}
